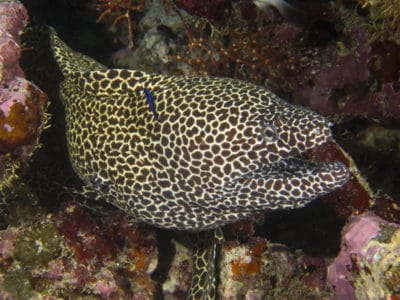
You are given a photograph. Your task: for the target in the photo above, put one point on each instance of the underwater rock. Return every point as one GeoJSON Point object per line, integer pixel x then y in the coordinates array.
{"type": "Point", "coordinates": [179, 275]}
{"type": "Point", "coordinates": [70, 255]}
{"type": "Point", "coordinates": [83, 236]}
{"type": "Point", "coordinates": [382, 106]}
{"type": "Point", "coordinates": [381, 140]}
{"type": "Point", "coordinates": [22, 104]}
{"type": "Point", "coordinates": [152, 54]}
{"type": "Point", "coordinates": [368, 265]}
{"type": "Point", "coordinates": [332, 76]}
{"type": "Point", "coordinates": [387, 208]}
{"type": "Point", "coordinates": [212, 10]}
{"type": "Point", "coordinates": [160, 29]}
{"type": "Point", "coordinates": [355, 196]}
{"type": "Point", "coordinates": [21, 116]}
{"type": "Point", "coordinates": [159, 15]}
{"type": "Point", "coordinates": [117, 242]}
{"type": "Point", "coordinates": [261, 270]}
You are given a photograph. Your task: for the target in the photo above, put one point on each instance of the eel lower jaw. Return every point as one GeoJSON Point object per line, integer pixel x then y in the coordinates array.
{"type": "Point", "coordinates": [324, 177]}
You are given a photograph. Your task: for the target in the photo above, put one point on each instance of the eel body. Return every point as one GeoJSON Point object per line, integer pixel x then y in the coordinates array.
{"type": "Point", "coordinates": [219, 151]}
{"type": "Point", "coordinates": [207, 152]}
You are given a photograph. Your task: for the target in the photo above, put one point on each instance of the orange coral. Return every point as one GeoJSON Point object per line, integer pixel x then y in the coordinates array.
{"type": "Point", "coordinates": [21, 118]}
{"type": "Point", "coordinates": [251, 262]}
{"type": "Point", "coordinates": [139, 257]}
{"type": "Point", "coordinates": [122, 10]}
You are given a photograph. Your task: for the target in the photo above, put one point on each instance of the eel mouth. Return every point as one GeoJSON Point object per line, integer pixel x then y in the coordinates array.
{"type": "Point", "coordinates": [316, 172]}
{"type": "Point", "coordinates": [334, 174]}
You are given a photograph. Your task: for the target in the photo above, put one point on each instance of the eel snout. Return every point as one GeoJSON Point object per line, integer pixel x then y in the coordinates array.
{"type": "Point", "coordinates": [295, 182]}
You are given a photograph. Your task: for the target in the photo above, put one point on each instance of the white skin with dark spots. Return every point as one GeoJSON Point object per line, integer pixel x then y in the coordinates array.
{"type": "Point", "coordinates": [220, 151]}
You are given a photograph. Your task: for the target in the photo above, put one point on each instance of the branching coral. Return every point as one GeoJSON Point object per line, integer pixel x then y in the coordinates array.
{"type": "Point", "coordinates": [238, 48]}
{"type": "Point", "coordinates": [120, 10]}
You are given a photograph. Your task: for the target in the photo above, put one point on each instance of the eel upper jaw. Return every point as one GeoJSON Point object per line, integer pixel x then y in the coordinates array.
{"type": "Point", "coordinates": [335, 174]}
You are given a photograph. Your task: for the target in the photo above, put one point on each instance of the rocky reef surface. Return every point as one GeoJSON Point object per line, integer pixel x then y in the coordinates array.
{"type": "Point", "coordinates": [22, 103]}
{"type": "Point", "coordinates": [368, 264]}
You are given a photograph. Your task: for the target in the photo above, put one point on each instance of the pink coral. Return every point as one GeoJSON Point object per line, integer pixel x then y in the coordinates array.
{"type": "Point", "coordinates": [22, 104]}
{"type": "Point", "coordinates": [262, 270]}
{"type": "Point", "coordinates": [354, 252]}
{"type": "Point", "coordinates": [13, 19]}
{"type": "Point", "coordinates": [7, 244]}
{"type": "Point", "coordinates": [9, 57]}
{"type": "Point", "coordinates": [106, 287]}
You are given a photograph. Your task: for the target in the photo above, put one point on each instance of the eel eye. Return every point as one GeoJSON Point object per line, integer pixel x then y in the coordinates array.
{"type": "Point", "coordinates": [269, 133]}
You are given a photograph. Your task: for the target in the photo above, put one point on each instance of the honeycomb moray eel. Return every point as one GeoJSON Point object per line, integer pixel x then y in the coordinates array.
{"type": "Point", "coordinates": [218, 151]}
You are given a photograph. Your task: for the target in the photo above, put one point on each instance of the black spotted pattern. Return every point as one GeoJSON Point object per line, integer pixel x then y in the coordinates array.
{"type": "Point", "coordinates": [221, 149]}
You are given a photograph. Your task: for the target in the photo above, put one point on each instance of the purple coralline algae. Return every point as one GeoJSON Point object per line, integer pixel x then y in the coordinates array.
{"type": "Point", "coordinates": [368, 265]}
{"type": "Point", "coordinates": [382, 105]}
{"type": "Point", "coordinates": [339, 67]}
{"type": "Point", "coordinates": [22, 104]}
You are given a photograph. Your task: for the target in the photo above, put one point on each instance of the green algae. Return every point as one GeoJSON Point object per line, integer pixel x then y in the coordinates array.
{"type": "Point", "coordinates": [38, 246]}
{"type": "Point", "coordinates": [384, 19]}
{"type": "Point", "coordinates": [393, 278]}
{"type": "Point", "coordinates": [386, 233]}
{"type": "Point", "coordinates": [17, 283]}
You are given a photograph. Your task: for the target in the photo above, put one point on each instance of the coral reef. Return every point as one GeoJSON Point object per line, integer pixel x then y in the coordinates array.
{"type": "Point", "coordinates": [337, 72]}
{"type": "Point", "coordinates": [120, 10]}
{"type": "Point", "coordinates": [234, 48]}
{"type": "Point", "coordinates": [22, 103]}
{"type": "Point", "coordinates": [368, 264]}
{"type": "Point", "coordinates": [262, 270]}
{"type": "Point", "coordinates": [346, 68]}
{"type": "Point", "coordinates": [356, 195]}
{"type": "Point", "coordinates": [152, 53]}
{"type": "Point", "coordinates": [213, 10]}
{"type": "Point", "coordinates": [179, 275]}
{"type": "Point", "coordinates": [70, 255]}
{"type": "Point", "coordinates": [382, 105]}
{"type": "Point", "coordinates": [330, 72]}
